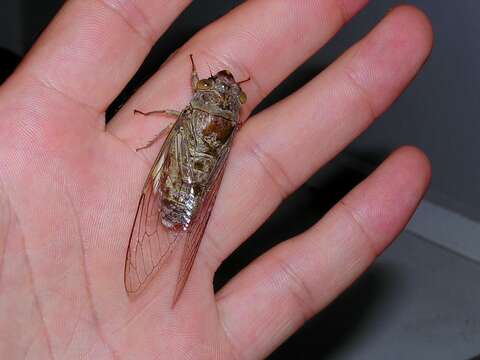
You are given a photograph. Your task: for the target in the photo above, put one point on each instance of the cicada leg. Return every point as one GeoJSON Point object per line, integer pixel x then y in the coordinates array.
{"type": "Point", "coordinates": [157, 137]}
{"type": "Point", "coordinates": [194, 74]}
{"type": "Point", "coordinates": [173, 113]}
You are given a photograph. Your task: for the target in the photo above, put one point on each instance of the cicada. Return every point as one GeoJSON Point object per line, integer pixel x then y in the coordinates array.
{"type": "Point", "coordinates": [180, 190]}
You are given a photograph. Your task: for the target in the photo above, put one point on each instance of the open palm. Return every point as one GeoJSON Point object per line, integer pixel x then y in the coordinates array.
{"type": "Point", "coordinates": [69, 184]}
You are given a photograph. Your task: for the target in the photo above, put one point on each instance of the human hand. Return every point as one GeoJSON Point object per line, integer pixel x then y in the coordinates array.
{"type": "Point", "coordinates": [70, 184]}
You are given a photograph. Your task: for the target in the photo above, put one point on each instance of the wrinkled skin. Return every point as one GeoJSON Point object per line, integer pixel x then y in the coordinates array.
{"type": "Point", "coordinates": [70, 184]}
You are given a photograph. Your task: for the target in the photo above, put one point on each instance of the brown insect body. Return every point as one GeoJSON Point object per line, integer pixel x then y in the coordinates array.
{"type": "Point", "coordinates": [181, 187]}
{"type": "Point", "coordinates": [203, 135]}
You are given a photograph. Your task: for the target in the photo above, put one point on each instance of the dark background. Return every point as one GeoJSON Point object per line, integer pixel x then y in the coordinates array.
{"type": "Point", "coordinates": [421, 298]}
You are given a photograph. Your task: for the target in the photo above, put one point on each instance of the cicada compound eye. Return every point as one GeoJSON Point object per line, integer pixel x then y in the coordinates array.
{"type": "Point", "coordinates": [205, 84]}
{"type": "Point", "coordinates": [243, 97]}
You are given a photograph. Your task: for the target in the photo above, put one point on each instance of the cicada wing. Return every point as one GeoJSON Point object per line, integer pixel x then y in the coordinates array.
{"type": "Point", "coordinates": [194, 233]}
{"type": "Point", "coordinates": [150, 242]}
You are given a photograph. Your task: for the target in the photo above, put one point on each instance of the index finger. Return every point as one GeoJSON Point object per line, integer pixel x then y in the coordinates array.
{"type": "Point", "coordinates": [93, 47]}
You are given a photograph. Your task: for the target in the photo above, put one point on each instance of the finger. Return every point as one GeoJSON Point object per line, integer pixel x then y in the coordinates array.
{"type": "Point", "coordinates": [283, 146]}
{"type": "Point", "coordinates": [275, 295]}
{"type": "Point", "coordinates": [93, 47]}
{"type": "Point", "coordinates": [264, 40]}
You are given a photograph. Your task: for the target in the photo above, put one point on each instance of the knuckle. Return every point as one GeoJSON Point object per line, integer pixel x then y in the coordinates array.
{"type": "Point", "coordinates": [361, 92]}
{"type": "Point", "coordinates": [271, 167]}
{"type": "Point", "coordinates": [297, 289]}
{"type": "Point", "coordinates": [362, 231]}
{"type": "Point", "coordinates": [133, 17]}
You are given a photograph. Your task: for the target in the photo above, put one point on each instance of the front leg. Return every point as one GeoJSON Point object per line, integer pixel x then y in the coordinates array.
{"type": "Point", "coordinates": [194, 74]}
{"type": "Point", "coordinates": [173, 113]}
{"type": "Point", "coordinates": [164, 132]}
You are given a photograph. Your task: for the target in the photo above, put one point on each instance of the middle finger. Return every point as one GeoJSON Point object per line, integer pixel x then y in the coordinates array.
{"type": "Point", "coordinates": [262, 39]}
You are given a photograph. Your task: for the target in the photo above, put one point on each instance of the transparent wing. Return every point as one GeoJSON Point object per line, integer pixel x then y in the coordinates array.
{"type": "Point", "coordinates": [194, 234]}
{"type": "Point", "coordinates": [150, 242]}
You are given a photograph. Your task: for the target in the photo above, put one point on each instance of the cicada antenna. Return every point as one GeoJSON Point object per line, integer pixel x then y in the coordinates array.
{"type": "Point", "coordinates": [244, 81]}
{"type": "Point", "coordinates": [210, 69]}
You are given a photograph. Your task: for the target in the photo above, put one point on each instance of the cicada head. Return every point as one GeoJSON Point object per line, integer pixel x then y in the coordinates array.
{"type": "Point", "coordinates": [224, 85]}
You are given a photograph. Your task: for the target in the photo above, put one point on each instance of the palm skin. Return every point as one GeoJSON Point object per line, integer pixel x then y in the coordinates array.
{"type": "Point", "coordinates": [70, 184]}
